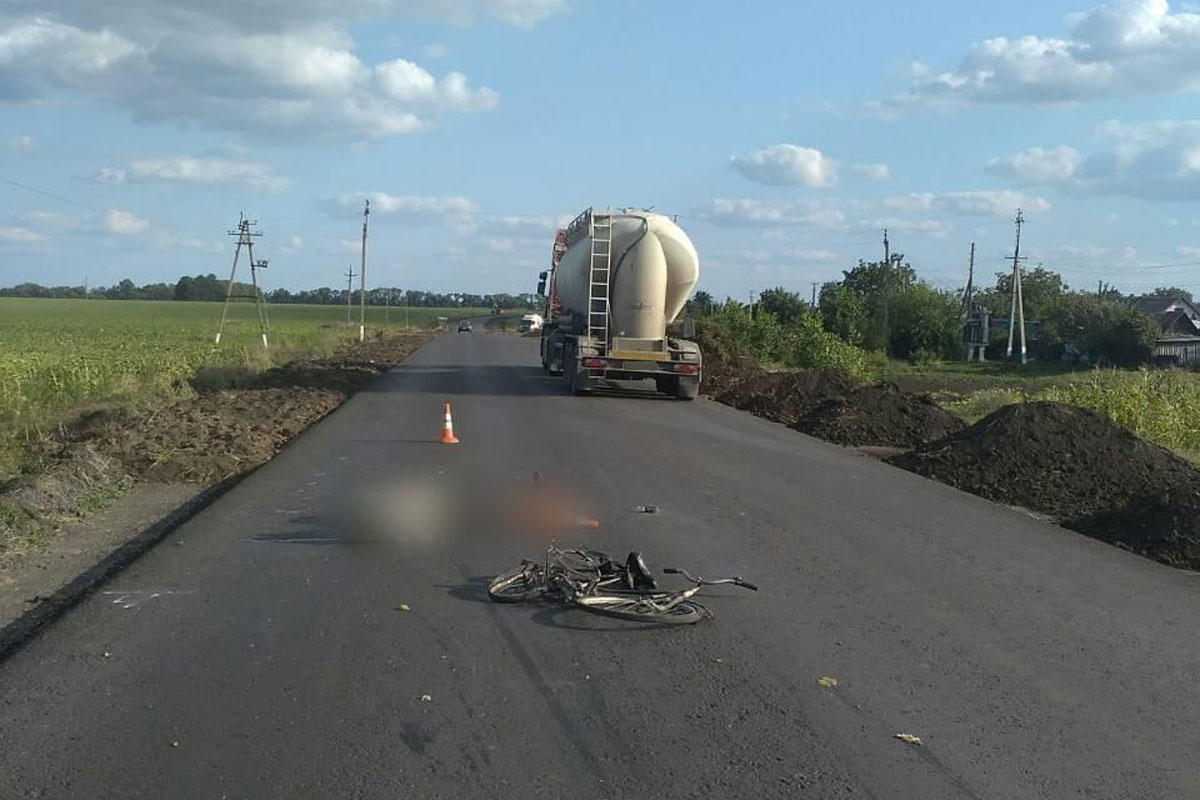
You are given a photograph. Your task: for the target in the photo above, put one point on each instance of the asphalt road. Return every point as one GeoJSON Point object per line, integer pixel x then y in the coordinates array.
{"type": "Point", "coordinates": [256, 653]}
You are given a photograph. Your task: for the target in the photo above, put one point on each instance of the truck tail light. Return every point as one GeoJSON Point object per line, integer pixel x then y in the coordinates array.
{"type": "Point", "coordinates": [595, 363]}
{"type": "Point", "coordinates": [687, 369]}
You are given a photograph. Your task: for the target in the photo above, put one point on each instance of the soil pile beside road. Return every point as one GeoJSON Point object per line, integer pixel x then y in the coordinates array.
{"type": "Point", "coordinates": [787, 396]}
{"type": "Point", "coordinates": [1079, 467]}
{"type": "Point", "coordinates": [829, 404]}
{"type": "Point", "coordinates": [879, 414]}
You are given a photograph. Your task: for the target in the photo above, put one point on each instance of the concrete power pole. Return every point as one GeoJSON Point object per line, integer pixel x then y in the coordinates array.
{"type": "Point", "coordinates": [245, 238]}
{"type": "Point", "coordinates": [969, 294]}
{"type": "Point", "coordinates": [887, 253]}
{"type": "Point", "coordinates": [1017, 310]}
{"type": "Point", "coordinates": [362, 277]}
{"type": "Point", "coordinates": [350, 273]}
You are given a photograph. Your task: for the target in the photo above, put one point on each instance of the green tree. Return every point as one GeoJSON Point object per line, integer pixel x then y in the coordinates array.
{"type": "Point", "coordinates": [880, 283]}
{"type": "Point", "coordinates": [1119, 334]}
{"type": "Point", "coordinates": [1039, 289]}
{"type": "Point", "coordinates": [926, 324]}
{"type": "Point", "coordinates": [786, 306]}
{"type": "Point", "coordinates": [701, 304]}
{"type": "Point", "coordinates": [1173, 291]}
{"type": "Point", "coordinates": [843, 312]}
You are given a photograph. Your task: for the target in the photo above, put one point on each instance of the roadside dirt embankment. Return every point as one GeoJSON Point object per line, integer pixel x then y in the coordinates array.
{"type": "Point", "coordinates": [233, 421]}
{"type": "Point", "coordinates": [1080, 468]}
{"type": "Point", "coordinates": [1069, 463]}
{"type": "Point", "coordinates": [831, 405]}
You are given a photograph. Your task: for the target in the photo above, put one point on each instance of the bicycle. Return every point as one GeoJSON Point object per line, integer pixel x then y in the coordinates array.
{"type": "Point", "coordinates": [595, 582]}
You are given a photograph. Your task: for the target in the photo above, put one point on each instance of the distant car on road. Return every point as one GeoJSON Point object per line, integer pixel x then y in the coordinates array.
{"type": "Point", "coordinates": [464, 326]}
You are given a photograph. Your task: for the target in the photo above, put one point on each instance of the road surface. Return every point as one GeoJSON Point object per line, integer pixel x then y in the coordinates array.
{"type": "Point", "coordinates": [256, 653]}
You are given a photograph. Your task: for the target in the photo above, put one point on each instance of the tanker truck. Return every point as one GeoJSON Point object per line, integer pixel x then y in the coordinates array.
{"type": "Point", "coordinates": [617, 281]}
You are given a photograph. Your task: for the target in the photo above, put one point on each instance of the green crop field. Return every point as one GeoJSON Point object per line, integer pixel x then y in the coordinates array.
{"type": "Point", "coordinates": [59, 354]}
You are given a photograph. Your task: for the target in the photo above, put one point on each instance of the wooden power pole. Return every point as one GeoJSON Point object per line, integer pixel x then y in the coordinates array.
{"type": "Point", "coordinates": [350, 273]}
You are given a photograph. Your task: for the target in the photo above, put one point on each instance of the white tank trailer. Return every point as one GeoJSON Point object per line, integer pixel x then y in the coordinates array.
{"type": "Point", "coordinates": [617, 282]}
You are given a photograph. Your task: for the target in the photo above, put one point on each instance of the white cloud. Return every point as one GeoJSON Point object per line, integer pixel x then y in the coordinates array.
{"type": "Point", "coordinates": [787, 165]}
{"type": "Point", "coordinates": [755, 213]}
{"type": "Point", "coordinates": [123, 222]}
{"type": "Point", "coordinates": [280, 68]}
{"type": "Point", "coordinates": [498, 245]}
{"type": "Point", "coordinates": [873, 172]}
{"type": "Point", "coordinates": [1123, 255]}
{"type": "Point", "coordinates": [1188, 251]}
{"type": "Point", "coordinates": [110, 175]}
{"type": "Point", "coordinates": [408, 207]}
{"type": "Point", "coordinates": [49, 220]}
{"type": "Point", "coordinates": [350, 245]}
{"type": "Point", "coordinates": [1117, 49]}
{"type": "Point", "coordinates": [929, 227]}
{"type": "Point", "coordinates": [20, 235]}
{"type": "Point", "coordinates": [813, 256]}
{"type": "Point", "coordinates": [292, 244]}
{"type": "Point", "coordinates": [1037, 165]}
{"type": "Point", "coordinates": [521, 13]}
{"type": "Point", "coordinates": [981, 203]}
{"type": "Point", "coordinates": [435, 50]}
{"type": "Point", "coordinates": [198, 171]}
{"type": "Point", "coordinates": [22, 144]}
{"type": "Point", "coordinates": [1152, 160]}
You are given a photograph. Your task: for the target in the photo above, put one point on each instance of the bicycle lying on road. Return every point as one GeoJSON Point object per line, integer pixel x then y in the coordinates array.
{"type": "Point", "coordinates": [596, 582]}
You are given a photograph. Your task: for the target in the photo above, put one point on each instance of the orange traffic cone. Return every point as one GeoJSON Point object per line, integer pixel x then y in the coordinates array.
{"type": "Point", "coordinates": [448, 429]}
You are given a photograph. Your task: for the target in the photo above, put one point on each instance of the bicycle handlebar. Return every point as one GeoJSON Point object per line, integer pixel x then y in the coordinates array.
{"type": "Point", "coordinates": [736, 580]}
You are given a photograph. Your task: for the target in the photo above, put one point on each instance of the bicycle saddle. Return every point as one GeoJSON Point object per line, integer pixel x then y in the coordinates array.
{"type": "Point", "coordinates": [637, 574]}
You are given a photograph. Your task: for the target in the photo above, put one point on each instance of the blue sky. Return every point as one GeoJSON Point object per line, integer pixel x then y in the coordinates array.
{"type": "Point", "coordinates": [783, 135]}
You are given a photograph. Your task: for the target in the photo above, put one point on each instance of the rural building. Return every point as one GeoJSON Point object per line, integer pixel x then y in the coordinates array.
{"type": "Point", "coordinates": [1177, 349]}
{"type": "Point", "coordinates": [1179, 327]}
{"type": "Point", "coordinates": [1176, 316]}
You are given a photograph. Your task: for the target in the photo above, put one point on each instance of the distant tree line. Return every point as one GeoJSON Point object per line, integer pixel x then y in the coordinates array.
{"type": "Point", "coordinates": [211, 288]}
{"type": "Point", "coordinates": [884, 307]}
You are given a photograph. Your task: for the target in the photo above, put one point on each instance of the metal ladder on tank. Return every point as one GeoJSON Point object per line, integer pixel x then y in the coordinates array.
{"type": "Point", "coordinates": [600, 230]}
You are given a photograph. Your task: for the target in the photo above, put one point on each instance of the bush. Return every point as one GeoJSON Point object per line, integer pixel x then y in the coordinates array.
{"type": "Point", "coordinates": [810, 346]}
{"type": "Point", "coordinates": [730, 332]}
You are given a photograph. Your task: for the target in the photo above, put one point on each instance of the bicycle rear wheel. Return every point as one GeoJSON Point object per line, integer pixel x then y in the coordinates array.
{"type": "Point", "coordinates": [643, 608]}
{"type": "Point", "coordinates": [526, 582]}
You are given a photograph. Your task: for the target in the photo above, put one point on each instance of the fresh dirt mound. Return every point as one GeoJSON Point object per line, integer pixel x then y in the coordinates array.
{"type": "Point", "coordinates": [1165, 527]}
{"type": "Point", "coordinates": [722, 374]}
{"type": "Point", "coordinates": [879, 414]}
{"type": "Point", "coordinates": [787, 396]}
{"type": "Point", "coordinates": [1079, 467]}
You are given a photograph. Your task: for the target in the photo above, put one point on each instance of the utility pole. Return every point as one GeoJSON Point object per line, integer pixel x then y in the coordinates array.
{"type": "Point", "coordinates": [814, 294]}
{"type": "Point", "coordinates": [387, 298]}
{"type": "Point", "coordinates": [969, 294]}
{"type": "Point", "coordinates": [362, 277]}
{"type": "Point", "coordinates": [245, 238]}
{"type": "Point", "coordinates": [350, 273]}
{"type": "Point", "coordinates": [887, 253]}
{"type": "Point", "coordinates": [1017, 311]}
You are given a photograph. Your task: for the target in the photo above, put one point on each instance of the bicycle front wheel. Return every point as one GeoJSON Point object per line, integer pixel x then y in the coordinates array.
{"type": "Point", "coordinates": [644, 608]}
{"type": "Point", "coordinates": [526, 582]}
